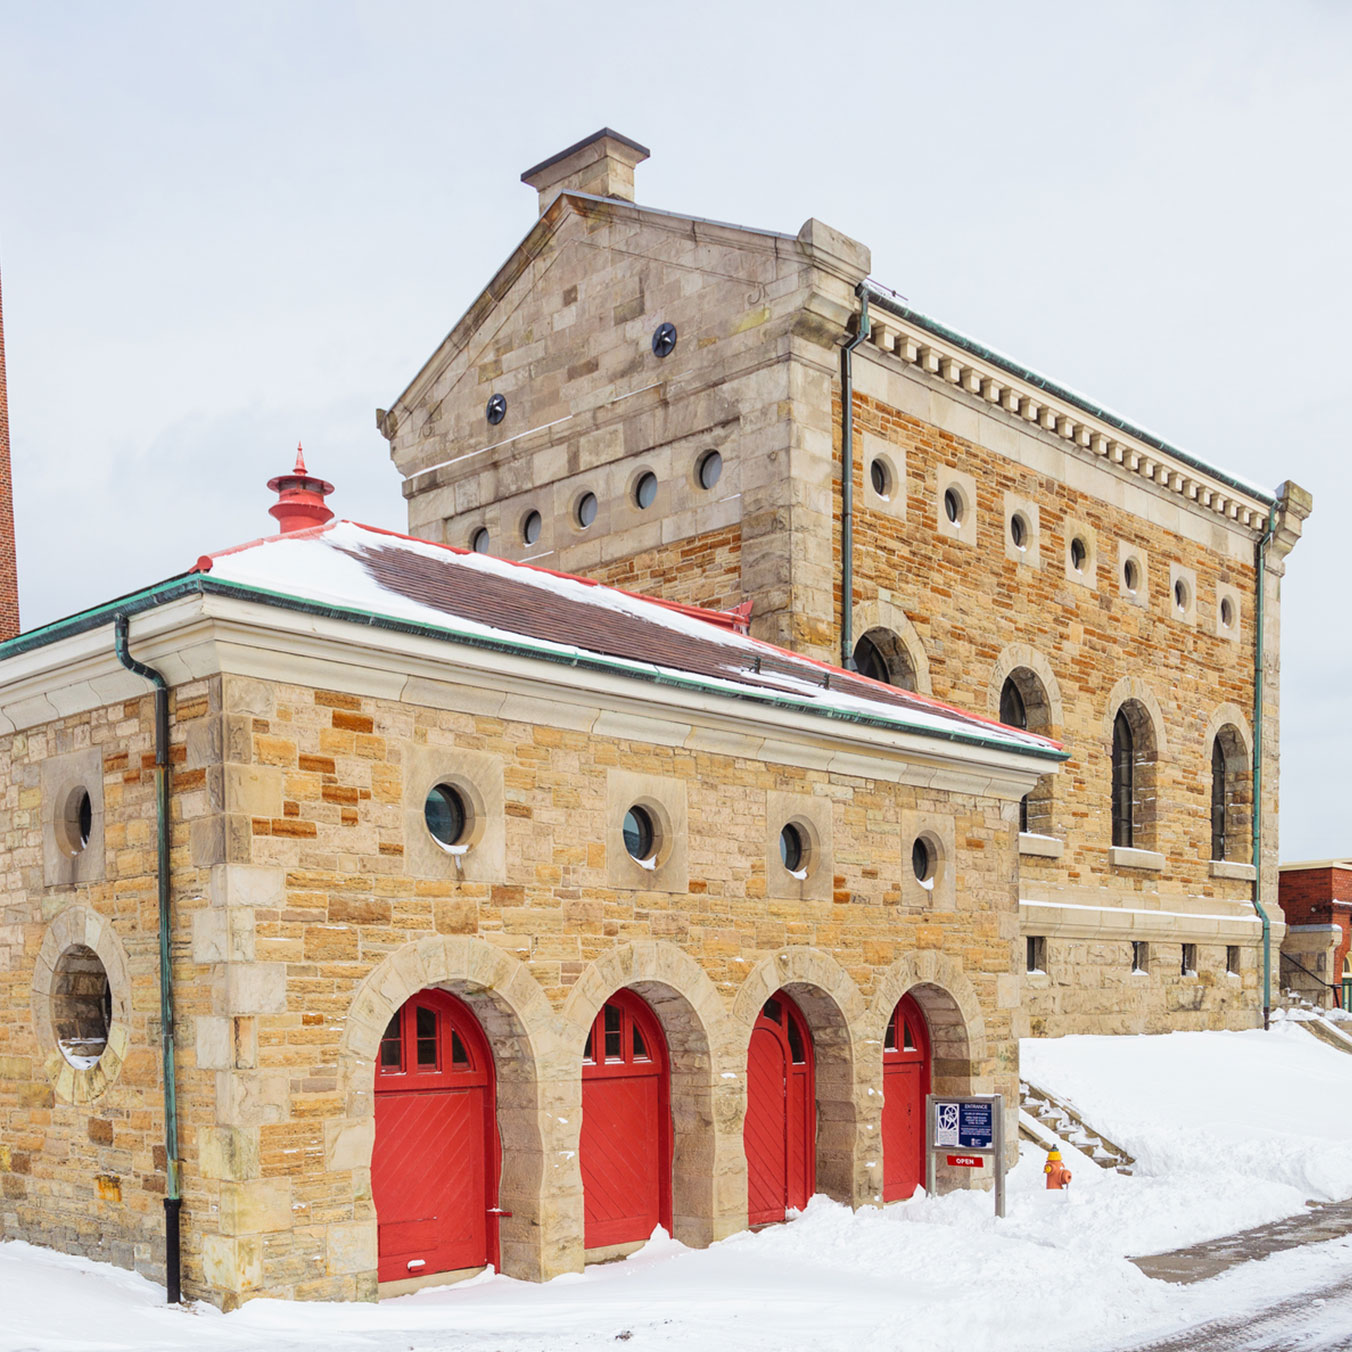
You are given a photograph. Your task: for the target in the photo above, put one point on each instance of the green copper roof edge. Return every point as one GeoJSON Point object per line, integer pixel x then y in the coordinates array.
{"type": "Point", "coordinates": [185, 585]}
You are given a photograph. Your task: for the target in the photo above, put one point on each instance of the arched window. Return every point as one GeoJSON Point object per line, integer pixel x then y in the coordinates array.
{"type": "Point", "coordinates": [1230, 796]}
{"type": "Point", "coordinates": [1218, 801]}
{"type": "Point", "coordinates": [1024, 704]}
{"type": "Point", "coordinates": [1014, 714]}
{"type": "Point", "coordinates": [881, 656]}
{"type": "Point", "coordinates": [1124, 781]}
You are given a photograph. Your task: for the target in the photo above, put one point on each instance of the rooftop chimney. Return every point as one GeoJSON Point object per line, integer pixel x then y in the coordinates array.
{"type": "Point", "coordinates": [602, 164]}
{"type": "Point", "coordinates": [9, 577]}
{"type": "Point", "coordinates": [300, 498]}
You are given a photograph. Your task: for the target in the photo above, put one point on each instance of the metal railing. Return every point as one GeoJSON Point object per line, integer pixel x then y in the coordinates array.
{"type": "Point", "coordinates": [1340, 994]}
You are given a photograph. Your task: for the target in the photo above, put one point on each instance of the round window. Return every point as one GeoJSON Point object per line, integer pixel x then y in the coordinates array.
{"type": "Point", "coordinates": [953, 505]}
{"type": "Point", "coordinates": [640, 836]}
{"type": "Point", "coordinates": [1018, 530]}
{"type": "Point", "coordinates": [1227, 612]}
{"type": "Point", "coordinates": [531, 527]}
{"type": "Point", "coordinates": [645, 490]}
{"type": "Point", "coordinates": [76, 822]}
{"type": "Point", "coordinates": [880, 478]}
{"type": "Point", "coordinates": [478, 542]}
{"type": "Point", "coordinates": [710, 469]}
{"type": "Point", "coordinates": [922, 861]}
{"type": "Point", "coordinates": [1181, 594]}
{"type": "Point", "coordinates": [792, 848]}
{"type": "Point", "coordinates": [1131, 576]}
{"type": "Point", "coordinates": [446, 815]}
{"type": "Point", "coordinates": [82, 1006]}
{"type": "Point", "coordinates": [586, 510]}
{"type": "Point", "coordinates": [1079, 553]}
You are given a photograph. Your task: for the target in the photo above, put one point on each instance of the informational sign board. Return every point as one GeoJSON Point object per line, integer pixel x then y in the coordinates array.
{"type": "Point", "coordinates": [968, 1132]}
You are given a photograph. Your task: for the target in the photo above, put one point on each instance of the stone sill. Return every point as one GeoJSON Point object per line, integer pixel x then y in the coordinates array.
{"type": "Point", "coordinates": [1223, 868]}
{"type": "Point", "coordinates": [1044, 847]}
{"type": "Point", "coordinates": [1119, 856]}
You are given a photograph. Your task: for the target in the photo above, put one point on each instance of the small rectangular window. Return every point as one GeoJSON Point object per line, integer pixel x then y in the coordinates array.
{"type": "Point", "coordinates": [427, 1036]}
{"type": "Point", "coordinates": [1035, 958]}
{"type": "Point", "coordinates": [614, 1044]}
{"type": "Point", "coordinates": [1189, 965]}
{"type": "Point", "coordinates": [392, 1046]}
{"type": "Point", "coordinates": [1232, 959]}
{"type": "Point", "coordinates": [1140, 957]}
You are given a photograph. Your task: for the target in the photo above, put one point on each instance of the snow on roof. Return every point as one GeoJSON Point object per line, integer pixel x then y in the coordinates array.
{"type": "Point", "coordinates": [475, 596]}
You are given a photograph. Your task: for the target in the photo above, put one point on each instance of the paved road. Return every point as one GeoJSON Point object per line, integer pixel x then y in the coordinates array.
{"type": "Point", "coordinates": [1315, 1321]}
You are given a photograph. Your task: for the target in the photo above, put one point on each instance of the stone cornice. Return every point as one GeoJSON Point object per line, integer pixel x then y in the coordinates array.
{"type": "Point", "coordinates": [1168, 471]}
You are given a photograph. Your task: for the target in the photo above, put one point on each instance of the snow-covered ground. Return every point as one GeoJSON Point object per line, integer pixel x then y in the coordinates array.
{"type": "Point", "coordinates": [1229, 1130]}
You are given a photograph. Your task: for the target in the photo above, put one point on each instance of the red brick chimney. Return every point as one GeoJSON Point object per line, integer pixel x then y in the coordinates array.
{"type": "Point", "coordinates": [9, 575]}
{"type": "Point", "coordinates": [300, 498]}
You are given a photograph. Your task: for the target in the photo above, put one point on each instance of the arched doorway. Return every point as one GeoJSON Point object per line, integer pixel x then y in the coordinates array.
{"type": "Point", "coordinates": [906, 1081]}
{"type": "Point", "coordinates": [434, 1169]}
{"type": "Point", "coordinates": [625, 1150]}
{"type": "Point", "coordinates": [780, 1130]}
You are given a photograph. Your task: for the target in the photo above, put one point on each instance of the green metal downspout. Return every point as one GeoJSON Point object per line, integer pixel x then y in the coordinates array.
{"type": "Point", "coordinates": [847, 482]}
{"type": "Point", "coordinates": [1256, 831]}
{"type": "Point", "coordinates": [173, 1197]}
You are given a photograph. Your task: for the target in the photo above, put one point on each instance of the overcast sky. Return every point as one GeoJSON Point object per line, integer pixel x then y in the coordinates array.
{"type": "Point", "coordinates": [224, 228]}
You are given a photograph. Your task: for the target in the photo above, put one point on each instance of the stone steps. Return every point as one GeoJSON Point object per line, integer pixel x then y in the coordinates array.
{"type": "Point", "coordinates": [1061, 1122]}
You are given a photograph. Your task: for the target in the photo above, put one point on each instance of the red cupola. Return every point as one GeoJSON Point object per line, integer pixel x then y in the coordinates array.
{"type": "Point", "coordinates": [300, 498]}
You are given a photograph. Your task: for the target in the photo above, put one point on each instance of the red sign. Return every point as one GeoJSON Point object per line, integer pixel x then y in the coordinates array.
{"type": "Point", "coordinates": [966, 1161]}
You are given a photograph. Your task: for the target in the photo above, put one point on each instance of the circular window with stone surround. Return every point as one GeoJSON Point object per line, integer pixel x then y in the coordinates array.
{"type": "Point", "coordinates": [81, 1003]}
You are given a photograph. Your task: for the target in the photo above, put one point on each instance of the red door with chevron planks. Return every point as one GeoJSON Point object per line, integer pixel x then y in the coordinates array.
{"type": "Point", "coordinates": [906, 1081]}
{"type": "Point", "coordinates": [626, 1124]}
{"type": "Point", "coordinates": [434, 1170]}
{"type": "Point", "coordinates": [780, 1129]}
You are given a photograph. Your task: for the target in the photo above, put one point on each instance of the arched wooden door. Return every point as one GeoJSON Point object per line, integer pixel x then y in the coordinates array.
{"type": "Point", "coordinates": [626, 1125]}
{"type": "Point", "coordinates": [434, 1170]}
{"type": "Point", "coordinates": [780, 1130]}
{"type": "Point", "coordinates": [906, 1081]}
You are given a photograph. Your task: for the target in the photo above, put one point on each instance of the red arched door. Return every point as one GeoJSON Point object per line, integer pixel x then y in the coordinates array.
{"type": "Point", "coordinates": [780, 1130]}
{"type": "Point", "coordinates": [625, 1150]}
{"type": "Point", "coordinates": [434, 1170]}
{"type": "Point", "coordinates": [906, 1081]}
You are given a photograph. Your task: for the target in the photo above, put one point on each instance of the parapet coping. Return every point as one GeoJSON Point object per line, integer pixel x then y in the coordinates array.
{"type": "Point", "coordinates": [918, 340]}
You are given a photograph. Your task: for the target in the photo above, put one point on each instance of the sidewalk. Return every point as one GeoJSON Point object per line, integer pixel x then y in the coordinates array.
{"type": "Point", "coordinates": [1209, 1259]}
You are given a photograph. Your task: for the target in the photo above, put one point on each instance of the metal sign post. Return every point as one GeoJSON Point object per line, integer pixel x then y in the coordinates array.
{"type": "Point", "coordinates": [967, 1132]}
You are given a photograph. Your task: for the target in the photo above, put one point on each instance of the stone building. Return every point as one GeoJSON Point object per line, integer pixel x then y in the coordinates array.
{"type": "Point", "coordinates": [1316, 899]}
{"type": "Point", "coordinates": [497, 917]}
{"type": "Point", "coordinates": [655, 400]}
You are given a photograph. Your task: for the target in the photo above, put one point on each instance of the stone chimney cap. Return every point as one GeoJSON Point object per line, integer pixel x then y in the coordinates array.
{"type": "Point", "coordinates": [641, 152]}
{"type": "Point", "coordinates": [601, 164]}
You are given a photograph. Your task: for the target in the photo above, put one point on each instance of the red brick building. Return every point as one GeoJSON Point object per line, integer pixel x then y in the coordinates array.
{"type": "Point", "coordinates": [1316, 898]}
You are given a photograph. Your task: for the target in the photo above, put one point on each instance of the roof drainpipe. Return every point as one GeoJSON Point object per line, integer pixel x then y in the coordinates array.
{"type": "Point", "coordinates": [1256, 830]}
{"type": "Point", "coordinates": [847, 482]}
{"type": "Point", "coordinates": [173, 1195]}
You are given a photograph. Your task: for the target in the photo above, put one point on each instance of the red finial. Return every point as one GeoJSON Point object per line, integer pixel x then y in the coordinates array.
{"type": "Point", "coordinates": [300, 498]}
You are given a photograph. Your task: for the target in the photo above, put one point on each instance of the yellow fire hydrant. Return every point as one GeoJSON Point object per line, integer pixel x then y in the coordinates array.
{"type": "Point", "coordinates": [1058, 1176]}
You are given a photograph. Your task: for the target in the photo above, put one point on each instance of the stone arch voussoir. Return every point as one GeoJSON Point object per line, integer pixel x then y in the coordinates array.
{"type": "Point", "coordinates": [708, 1061]}
{"type": "Point", "coordinates": [882, 613]}
{"type": "Point", "coordinates": [1024, 655]}
{"type": "Point", "coordinates": [534, 1090]}
{"type": "Point", "coordinates": [1133, 689]}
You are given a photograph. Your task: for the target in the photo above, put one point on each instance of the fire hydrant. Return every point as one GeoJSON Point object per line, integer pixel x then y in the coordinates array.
{"type": "Point", "coordinates": [1058, 1176]}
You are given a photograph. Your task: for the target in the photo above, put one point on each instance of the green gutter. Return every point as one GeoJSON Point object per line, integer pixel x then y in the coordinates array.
{"type": "Point", "coordinates": [173, 1194]}
{"type": "Point", "coordinates": [202, 584]}
{"type": "Point", "coordinates": [1256, 830]}
{"type": "Point", "coordinates": [847, 483]}
{"type": "Point", "coordinates": [1041, 382]}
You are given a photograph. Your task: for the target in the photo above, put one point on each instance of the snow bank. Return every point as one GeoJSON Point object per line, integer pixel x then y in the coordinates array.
{"type": "Point", "coordinates": [1230, 1129]}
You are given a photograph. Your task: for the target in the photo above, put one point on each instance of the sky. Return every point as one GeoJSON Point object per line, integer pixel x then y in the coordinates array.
{"type": "Point", "coordinates": [224, 229]}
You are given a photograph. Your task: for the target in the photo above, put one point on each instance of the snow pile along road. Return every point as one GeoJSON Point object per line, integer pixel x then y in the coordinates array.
{"type": "Point", "coordinates": [1231, 1129]}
